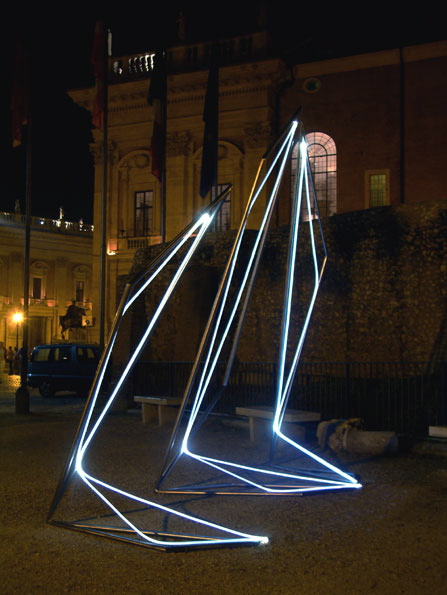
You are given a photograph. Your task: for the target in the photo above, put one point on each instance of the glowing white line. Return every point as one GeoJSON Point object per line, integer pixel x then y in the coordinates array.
{"type": "Point", "coordinates": [204, 222]}
{"type": "Point", "coordinates": [314, 294]}
{"type": "Point", "coordinates": [146, 334]}
{"type": "Point", "coordinates": [283, 394]}
{"type": "Point", "coordinates": [94, 397]}
{"type": "Point", "coordinates": [243, 537]}
{"type": "Point", "coordinates": [288, 300]}
{"type": "Point", "coordinates": [220, 466]}
{"type": "Point", "coordinates": [210, 363]}
{"type": "Point", "coordinates": [84, 443]}
{"type": "Point", "coordinates": [204, 383]}
{"type": "Point", "coordinates": [230, 468]}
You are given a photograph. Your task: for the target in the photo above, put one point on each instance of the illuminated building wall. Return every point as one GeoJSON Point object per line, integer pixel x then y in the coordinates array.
{"type": "Point", "coordinates": [60, 271]}
{"type": "Point", "coordinates": [382, 113]}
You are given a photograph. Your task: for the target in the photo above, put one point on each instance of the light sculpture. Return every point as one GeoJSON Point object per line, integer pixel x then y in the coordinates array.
{"type": "Point", "coordinates": [89, 425]}
{"type": "Point", "coordinates": [226, 318]}
{"type": "Point", "coordinates": [244, 478]}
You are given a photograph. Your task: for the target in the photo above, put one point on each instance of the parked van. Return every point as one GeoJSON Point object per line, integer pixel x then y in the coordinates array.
{"type": "Point", "coordinates": [63, 367]}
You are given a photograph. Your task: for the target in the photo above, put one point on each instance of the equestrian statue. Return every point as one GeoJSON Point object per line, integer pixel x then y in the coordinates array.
{"type": "Point", "coordinates": [72, 319]}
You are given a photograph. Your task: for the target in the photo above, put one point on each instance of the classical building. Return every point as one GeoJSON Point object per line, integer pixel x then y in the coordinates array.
{"type": "Point", "coordinates": [60, 272]}
{"type": "Point", "coordinates": [375, 126]}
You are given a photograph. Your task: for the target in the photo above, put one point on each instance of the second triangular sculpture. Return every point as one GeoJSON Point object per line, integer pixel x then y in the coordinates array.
{"type": "Point", "coordinates": [221, 338]}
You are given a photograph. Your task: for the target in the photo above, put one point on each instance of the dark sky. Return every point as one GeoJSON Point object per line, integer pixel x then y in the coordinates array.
{"type": "Point", "coordinates": [61, 46]}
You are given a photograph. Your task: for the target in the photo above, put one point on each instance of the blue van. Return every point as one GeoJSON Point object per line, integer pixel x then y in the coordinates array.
{"type": "Point", "coordinates": [63, 367]}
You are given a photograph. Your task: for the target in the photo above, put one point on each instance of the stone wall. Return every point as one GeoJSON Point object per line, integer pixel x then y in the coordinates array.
{"type": "Point", "coordinates": [383, 295]}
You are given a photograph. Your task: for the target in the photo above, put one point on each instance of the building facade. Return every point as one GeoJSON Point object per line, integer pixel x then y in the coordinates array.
{"type": "Point", "coordinates": [374, 124]}
{"type": "Point", "coordinates": [60, 273]}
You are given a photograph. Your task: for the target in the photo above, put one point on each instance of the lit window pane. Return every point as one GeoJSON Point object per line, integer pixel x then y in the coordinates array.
{"type": "Point", "coordinates": [323, 163]}
{"type": "Point", "coordinates": [377, 190]}
{"type": "Point", "coordinates": [222, 219]}
{"type": "Point", "coordinates": [143, 213]}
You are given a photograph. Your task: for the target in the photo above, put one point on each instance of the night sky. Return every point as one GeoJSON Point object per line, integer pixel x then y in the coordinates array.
{"type": "Point", "coordinates": [61, 47]}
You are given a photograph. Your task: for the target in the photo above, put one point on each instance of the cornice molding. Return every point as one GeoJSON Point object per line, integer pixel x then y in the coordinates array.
{"type": "Point", "coordinates": [242, 80]}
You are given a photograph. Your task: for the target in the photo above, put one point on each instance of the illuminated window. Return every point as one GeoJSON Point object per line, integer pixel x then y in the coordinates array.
{"type": "Point", "coordinates": [79, 291]}
{"type": "Point", "coordinates": [222, 220]}
{"type": "Point", "coordinates": [81, 283]}
{"type": "Point", "coordinates": [37, 288]}
{"type": "Point", "coordinates": [38, 279]}
{"type": "Point", "coordinates": [323, 163]}
{"type": "Point", "coordinates": [377, 188]}
{"type": "Point", "coordinates": [143, 213]}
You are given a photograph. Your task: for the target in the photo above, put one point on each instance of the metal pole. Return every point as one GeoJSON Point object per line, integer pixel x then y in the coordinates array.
{"type": "Point", "coordinates": [22, 394]}
{"type": "Point", "coordinates": [163, 169]}
{"type": "Point", "coordinates": [103, 264]}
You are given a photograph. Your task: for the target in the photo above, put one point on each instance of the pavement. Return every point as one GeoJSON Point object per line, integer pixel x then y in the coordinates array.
{"type": "Point", "coordinates": [389, 537]}
{"type": "Point", "coordinates": [64, 403]}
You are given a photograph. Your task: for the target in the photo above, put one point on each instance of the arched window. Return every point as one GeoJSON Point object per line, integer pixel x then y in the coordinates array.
{"type": "Point", "coordinates": [323, 163]}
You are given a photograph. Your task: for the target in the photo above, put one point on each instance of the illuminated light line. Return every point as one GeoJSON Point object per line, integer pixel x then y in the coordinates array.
{"type": "Point", "coordinates": [215, 338]}
{"type": "Point", "coordinates": [201, 392]}
{"type": "Point", "coordinates": [204, 223]}
{"type": "Point", "coordinates": [204, 383]}
{"type": "Point", "coordinates": [144, 338]}
{"type": "Point", "coordinates": [314, 456]}
{"type": "Point", "coordinates": [211, 361]}
{"type": "Point", "coordinates": [217, 464]}
{"type": "Point", "coordinates": [89, 480]}
{"type": "Point", "coordinates": [317, 278]}
{"type": "Point", "coordinates": [288, 296]}
{"type": "Point", "coordinates": [283, 396]}
{"type": "Point", "coordinates": [87, 436]}
{"type": "Point", "coordinates": [95, 395]}
{"type": "Point", "coordinates": [174, 246]}
{"type": "Point", "coordinates": [242, 537]}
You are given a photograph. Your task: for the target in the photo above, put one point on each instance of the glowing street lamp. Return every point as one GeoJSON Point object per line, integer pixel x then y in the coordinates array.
{"type": "Point", "coordinates": [17, 317]}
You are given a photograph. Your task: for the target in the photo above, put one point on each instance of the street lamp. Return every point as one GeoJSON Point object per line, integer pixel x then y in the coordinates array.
{"type": "Point", "coordinates": [17, 317]}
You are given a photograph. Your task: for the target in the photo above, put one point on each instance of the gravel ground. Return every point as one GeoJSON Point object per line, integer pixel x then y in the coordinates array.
{"type": "Point", "coordinates": [388, 537]}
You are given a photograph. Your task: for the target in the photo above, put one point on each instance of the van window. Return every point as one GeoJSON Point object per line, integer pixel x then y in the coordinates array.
{"type": "Point", "coordinates": [61, 354]}
{"type": "Point", "coordinates": [86, 354]}
{"type": "Point", "coordinates": [41, 355]}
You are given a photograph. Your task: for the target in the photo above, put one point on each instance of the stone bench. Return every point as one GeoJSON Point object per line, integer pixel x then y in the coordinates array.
{"type": "Point", "coordinates": [160, 409]}
{"type": "Point", "coordinates": [437, 431]}
{"type": "Point", "coordinates": [296, 416]}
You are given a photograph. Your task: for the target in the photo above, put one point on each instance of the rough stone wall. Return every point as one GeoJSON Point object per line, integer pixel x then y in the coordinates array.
{"type": "Point", "coordinates": [383, 295]}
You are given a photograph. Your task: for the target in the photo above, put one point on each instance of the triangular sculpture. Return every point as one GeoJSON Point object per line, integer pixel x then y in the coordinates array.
{"type": "Point", "coordinates": [223, 330]}
{"type": "Point", "coordinates": [123, 519]}
{"type": "Point", "coordinates": [118, 524]}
